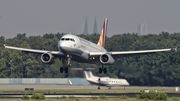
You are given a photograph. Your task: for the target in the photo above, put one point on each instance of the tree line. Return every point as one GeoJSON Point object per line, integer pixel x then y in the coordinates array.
{"type": "Point", "coordinates": [160, 69]}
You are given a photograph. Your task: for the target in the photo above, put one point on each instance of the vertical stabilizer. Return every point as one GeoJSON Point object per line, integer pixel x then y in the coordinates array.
{"type": "Point", "coordinates": [88, 74]}
{"type": "Point", "coordinates": [101, 40]}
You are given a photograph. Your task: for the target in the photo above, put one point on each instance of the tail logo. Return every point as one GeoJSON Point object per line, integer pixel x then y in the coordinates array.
{"type": "Point", "coordinates": [101, 40]}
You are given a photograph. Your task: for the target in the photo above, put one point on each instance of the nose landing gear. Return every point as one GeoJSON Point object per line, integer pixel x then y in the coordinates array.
{"type": "Point", "coordinates": [99, 83]}
{"type": "Point", "coordinates": [66, 64]}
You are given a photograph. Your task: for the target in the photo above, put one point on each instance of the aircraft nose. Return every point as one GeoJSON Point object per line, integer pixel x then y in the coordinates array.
{"type": "Point", "coordinates": [62, 45]}
{"type": "Point", "coordinates": [65, 47]}
{"type": "Point", "coordinates": [127, 83]}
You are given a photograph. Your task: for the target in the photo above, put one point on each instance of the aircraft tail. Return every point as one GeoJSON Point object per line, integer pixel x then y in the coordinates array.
{"type": "Point", "coordinates": [101, 41]}
{"type": "Point", "coordinates": [88, 74]}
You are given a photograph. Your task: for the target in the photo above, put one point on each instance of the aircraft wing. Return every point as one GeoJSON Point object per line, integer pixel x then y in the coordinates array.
{"type": "Point", "coordinates": [34, 50]}
{"type": "Point", "coordinates": [124, 53]}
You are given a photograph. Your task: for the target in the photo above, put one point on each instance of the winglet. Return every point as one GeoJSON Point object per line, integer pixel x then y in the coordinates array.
{"type": "Point", "coordinates": [175, 49]}
{"type": "Point", "coordinates": [101, 41]}
{"type": "Point", "coordinates": [70, 82]}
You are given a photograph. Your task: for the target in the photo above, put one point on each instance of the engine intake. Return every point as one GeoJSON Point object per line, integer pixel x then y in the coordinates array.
{"type": "Point", "coordinates": [106, 59]}
{"type": "Point", "coordinates": [47, 58]}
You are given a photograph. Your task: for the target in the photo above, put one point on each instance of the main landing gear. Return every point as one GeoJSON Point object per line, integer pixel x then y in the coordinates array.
{"type": "Point", "coordinates": [99, 83]}
{"type": "Point", "coordinates": [103, 69]}
{"type": "Point", "coordinates": [66, 64]}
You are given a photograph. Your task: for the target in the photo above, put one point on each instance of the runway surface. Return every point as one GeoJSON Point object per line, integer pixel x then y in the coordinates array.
{"type": "Point", "coordinates": [115, 92]}
{"type": "Point", "coordinates": [10, 87]}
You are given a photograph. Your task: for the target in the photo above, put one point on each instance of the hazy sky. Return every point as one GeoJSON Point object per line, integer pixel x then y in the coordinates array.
{"type": "Point", "coordinates": [37, 17]}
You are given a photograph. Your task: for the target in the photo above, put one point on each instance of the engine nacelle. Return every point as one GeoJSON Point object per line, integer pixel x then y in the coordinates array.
{"type": "Point", "coordinates": [47, 58]}
{"type": "Point", "coordinates": [106, 59]}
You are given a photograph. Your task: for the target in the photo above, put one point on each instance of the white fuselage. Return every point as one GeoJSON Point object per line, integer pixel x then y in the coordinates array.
{"type": "Point", "coordinates": [104, 81]}
{"type": "Point", "coordinates": [78, 48]}
{"type": "Point", "coordinates": [109, 82]}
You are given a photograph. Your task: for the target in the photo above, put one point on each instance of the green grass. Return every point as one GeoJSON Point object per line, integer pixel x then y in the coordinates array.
{"type": "Point", "coordinates": [86, 99]}
{"type": "Point", "coordinates": [71, 98]}
{"type": "Point", "coordinates": [80, 91]}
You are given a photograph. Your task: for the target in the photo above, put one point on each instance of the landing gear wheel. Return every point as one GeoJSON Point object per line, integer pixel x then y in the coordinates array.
{"type": "Point", "coordinates": [66, 69]}
{"type": "Point", "coordinates": [69, 65]}
{"type": "Point", "coordinates": [66, 61]}
{"type": "Point", "coordinates": [98, 87]}
{"type": "Point", "coordinates": [100, 70]}
{"type": "Point", "coordinates": [61, 69]}
{"type": "Point", "coordinates": [105, 70]}
{"type": "Point", "coordinates": [99, 80]}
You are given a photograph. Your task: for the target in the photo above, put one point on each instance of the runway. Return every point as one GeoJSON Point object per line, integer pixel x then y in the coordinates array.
{"type": "Point", "coordinates": [81, 91]}
{"type": "Point", "coordinates": [9, 87]}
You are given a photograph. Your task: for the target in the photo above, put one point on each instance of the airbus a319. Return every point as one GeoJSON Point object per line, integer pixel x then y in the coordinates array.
{"type": "Point", "coordinates": [72, 47]}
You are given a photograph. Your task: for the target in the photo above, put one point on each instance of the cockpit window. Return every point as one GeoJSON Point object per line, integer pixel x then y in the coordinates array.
{"type": "Point", "coordinates": [67, 39]}
{"type": "Point", "coordinates": [72, 40]}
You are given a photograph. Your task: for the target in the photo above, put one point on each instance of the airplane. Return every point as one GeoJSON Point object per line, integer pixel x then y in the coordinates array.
{"type": "Point", "coordinates": [104, 81]}
{"type": "Point", "coordinates": [74, 48]}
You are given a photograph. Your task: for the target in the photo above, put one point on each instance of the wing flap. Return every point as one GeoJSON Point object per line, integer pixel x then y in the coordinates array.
{"type": "Point", "coordinates": [34, 50]}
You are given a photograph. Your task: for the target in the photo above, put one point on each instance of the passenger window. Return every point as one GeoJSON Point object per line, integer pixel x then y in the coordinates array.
{"type": "Point", "coordinates": [62, 38]}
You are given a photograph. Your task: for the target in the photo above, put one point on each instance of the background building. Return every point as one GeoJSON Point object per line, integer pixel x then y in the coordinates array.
{"type": "Point", "coordinates": [79, 81]}
{"type": "Point", "coordinates": [86, 27]}
{"type": "Point", "coordinates": [95, 27]}
{"type": "Point", "coordinates": [142, 29]}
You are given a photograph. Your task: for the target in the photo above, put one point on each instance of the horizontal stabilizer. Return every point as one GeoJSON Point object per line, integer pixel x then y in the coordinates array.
{"type": "Point", "coordinates": [84, 69]}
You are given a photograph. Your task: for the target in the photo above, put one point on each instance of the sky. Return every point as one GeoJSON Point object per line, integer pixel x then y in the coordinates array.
{"type": "Point", "coordinates": [37, 17]}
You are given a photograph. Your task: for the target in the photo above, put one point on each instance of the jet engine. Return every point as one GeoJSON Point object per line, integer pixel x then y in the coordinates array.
{"type": "Point", "coordinates": [106, 59]}
{"type": "Point", "coordinates": [47, 58]}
